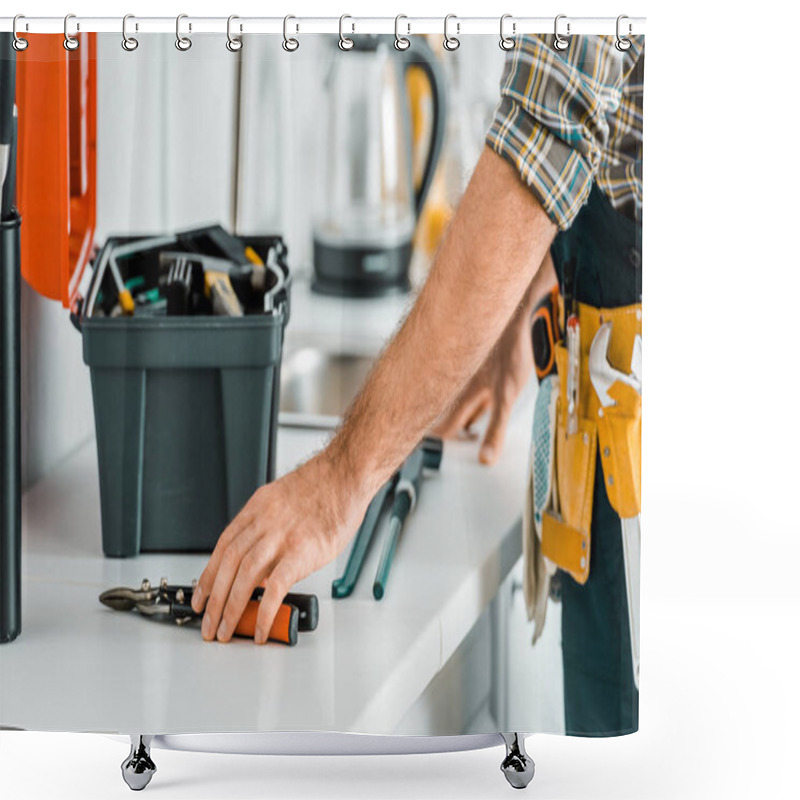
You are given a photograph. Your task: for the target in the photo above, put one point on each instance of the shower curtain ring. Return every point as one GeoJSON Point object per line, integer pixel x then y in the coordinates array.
{"type": "Point", "coordinates": [70, 42]}
{"type": "Point", "coordinates": [622, 43]}
{"type": "Point", "coordinates": [234, 43]}
{"type": "Point", "coordinates": [401, 42]}
{"type": "Point", "coordinates": [451, 43]}
{"type": "Point", "coordinates": [129, 43]}
{"type": "Point", "coordinates": [345, 42]}
{"type": "Point", "coordinates": [290, 44]}
{"type": "Point", "coordinates": [559, 42]}
{"type": "Point", "coordinates": [183, 43]}
{"type": "Point", "coordinates": [506, 42]}
{"type": "Point", "coordinates": [18, 43]}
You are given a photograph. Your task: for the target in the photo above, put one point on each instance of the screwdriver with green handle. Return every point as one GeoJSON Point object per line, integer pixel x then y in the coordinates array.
{"type": "Point", "coordinates": [428, 454]}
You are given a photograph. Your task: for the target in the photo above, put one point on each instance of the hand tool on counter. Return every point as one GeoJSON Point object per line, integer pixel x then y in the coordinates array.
{"type": "Point", "coordinates": [431, 449]}
{"type": "Point", "coordinates": [342, 587]}
{"type": "Point", "coordinates": [298, 612]}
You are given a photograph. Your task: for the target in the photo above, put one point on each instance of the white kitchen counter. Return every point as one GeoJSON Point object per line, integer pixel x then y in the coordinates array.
{"type": "Point", "coordinates": [79, 666]}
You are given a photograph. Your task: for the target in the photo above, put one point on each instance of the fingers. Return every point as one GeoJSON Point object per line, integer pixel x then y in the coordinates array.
{"type": "Point", "coordinates": [238, 525]}
{"type": "Point", "coordinates": [276, 587]}
{"type": "Point", "coordinates": [478, 412]}
{"type": "Point", "coordinates": [243, 563]}
{"type": "Point", "coordinates": [495, 432]}
{"type": "Point", "coordinates": [464, 414]}
{"type": "Point", "coordinates": [252, 568]}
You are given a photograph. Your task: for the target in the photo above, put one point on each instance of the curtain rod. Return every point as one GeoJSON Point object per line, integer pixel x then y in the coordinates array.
{"type": "Point", "coordinates": [460, 26]}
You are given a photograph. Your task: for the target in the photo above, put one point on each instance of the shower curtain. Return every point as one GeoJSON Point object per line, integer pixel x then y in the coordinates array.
{"type": "Point", "coordinates": [331, 356]}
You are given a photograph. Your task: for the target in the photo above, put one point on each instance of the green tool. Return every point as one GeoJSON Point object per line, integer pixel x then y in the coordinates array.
{"type": "Point", "coordinates": [429, 455]}
{"type": "Point", "coordinates": [342, 587]}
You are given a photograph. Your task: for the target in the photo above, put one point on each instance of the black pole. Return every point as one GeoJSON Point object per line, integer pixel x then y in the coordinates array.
{"type": "Point", "coordinates": [10, 444]}
{"type": "Point", "coordinates": [10, 474]}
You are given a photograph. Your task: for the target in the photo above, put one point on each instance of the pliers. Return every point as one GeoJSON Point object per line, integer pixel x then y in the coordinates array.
{"type": "Point", "coordinates": [298, 612]}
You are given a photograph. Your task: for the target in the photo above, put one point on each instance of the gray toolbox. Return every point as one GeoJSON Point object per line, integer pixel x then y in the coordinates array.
{"type": "Point", "coordinates": [185, 406]}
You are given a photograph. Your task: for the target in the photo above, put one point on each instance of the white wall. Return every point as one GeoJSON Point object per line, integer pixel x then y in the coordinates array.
{"type": "Point", "coordinates": [167, 125]}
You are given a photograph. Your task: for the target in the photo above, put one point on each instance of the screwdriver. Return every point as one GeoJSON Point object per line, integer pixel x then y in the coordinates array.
{"type": "Point", "coordinates": [124, 295]}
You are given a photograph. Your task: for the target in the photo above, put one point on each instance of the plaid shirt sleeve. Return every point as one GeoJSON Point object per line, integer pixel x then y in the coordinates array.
{"type": "Point", "coordinates": [555, 112]}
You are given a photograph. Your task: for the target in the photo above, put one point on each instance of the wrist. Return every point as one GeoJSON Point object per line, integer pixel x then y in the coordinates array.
{"type": "Point", "coordinates": [343, 491]}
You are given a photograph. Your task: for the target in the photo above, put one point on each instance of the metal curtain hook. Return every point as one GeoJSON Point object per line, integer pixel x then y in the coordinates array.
{"type": "Point", "coordinates": [401, 42]}
{"type": "Point", "coordinates": [234, 43]}
{"type": "Point", "coordinates": [623, 43]}
{"type": "Point", "coordinates": [183, 43]}
{"type": "Point", "coordinates": [559, 42]}
{"type": "Point", "coordinates": [129, 43]}
{"type": "Point", "coordinates": [451, 43]}
{"type": "Point", "coordinates": [18, 43]}
{"type": "Point", "coordinates": [506, 42]}
{"type": "Point", "coordinates": [289, 44]}
{"type": "Point", "coordinates": [345, 42]}
{"type": "Point", "coordinates": [70, 42]}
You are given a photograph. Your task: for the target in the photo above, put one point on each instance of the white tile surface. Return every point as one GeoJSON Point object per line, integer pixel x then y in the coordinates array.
{"type": "Point", "coordinates": [79, 666]}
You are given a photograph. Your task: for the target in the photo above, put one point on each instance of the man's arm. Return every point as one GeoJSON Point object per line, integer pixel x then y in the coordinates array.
{"type": "Point", "coordinates": [496, 241]}
{"type": "Point", "coordinates": [501, 378]}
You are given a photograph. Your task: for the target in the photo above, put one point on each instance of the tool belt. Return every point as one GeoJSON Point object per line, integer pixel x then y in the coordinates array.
{"type": "Point", "coordinates": [608, 410]}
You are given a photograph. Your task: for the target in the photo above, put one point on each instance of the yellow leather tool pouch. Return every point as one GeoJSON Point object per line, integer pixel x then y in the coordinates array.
{"type": "Point", "coordinates": [566, 527]}
{"type": "Point", "coordinates": [619, 424]}
{"type": "Point", "coordinates": [620, 431]}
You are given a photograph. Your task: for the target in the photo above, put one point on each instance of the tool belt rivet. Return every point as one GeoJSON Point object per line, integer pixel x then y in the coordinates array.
{"type": "Point", "coordinates": [610, 480]}
{"type": "Point", "coordinates": [606, 452]}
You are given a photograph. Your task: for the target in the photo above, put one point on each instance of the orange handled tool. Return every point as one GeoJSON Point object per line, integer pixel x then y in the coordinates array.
{"type": "Point", "coordinates": [284, 626]}
{"type": "Point", "coordinates": [298, 612]}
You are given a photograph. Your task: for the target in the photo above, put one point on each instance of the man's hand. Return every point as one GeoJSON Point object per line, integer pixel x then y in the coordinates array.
{"type": "Point", "coordinates": [502, 377]}
{"type": "Point", "coordinates": [494, 388]}
{"type": "Point", "coordinates": [287, 530]}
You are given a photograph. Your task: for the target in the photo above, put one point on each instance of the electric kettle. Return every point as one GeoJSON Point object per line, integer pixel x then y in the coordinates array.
{"type": "Point", "coordinates": [367, 209]}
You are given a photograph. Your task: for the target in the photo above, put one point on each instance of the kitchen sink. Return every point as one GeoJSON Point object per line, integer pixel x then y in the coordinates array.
{"type": "Point", "coordinates": [317, 387]}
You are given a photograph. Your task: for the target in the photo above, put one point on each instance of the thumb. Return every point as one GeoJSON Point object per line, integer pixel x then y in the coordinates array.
{"type": "Point", "coordinates": [495, 433]}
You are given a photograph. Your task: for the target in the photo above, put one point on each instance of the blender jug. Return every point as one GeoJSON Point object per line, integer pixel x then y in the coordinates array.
{"type": "Point", "coordinates": [367, 209]}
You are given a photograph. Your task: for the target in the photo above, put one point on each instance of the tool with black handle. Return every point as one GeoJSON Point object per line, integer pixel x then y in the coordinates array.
{"type": "Point", "coordinates": [298, 612]}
